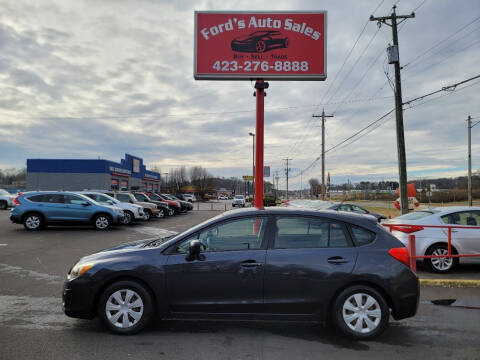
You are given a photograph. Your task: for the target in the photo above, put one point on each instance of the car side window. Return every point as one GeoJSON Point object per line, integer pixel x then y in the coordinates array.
{"type": "Point", "coordinates": [362, 236]}
{"type": "Point", "coordinates": [468, 218]}
{"type": "Point", "coordinates": [305, 232]}
{"type": "Point", "coordinates": [241, 234]}
{"type": "Point", "coordinates": [54, 198]}
{"type": "Point", "coordinates": [344, 208]}
{"type": "Point", "coordinates": [75, 200]}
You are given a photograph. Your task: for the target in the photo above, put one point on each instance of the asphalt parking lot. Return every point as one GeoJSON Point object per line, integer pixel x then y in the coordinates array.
{"type": "Point", "coordinates": [33, 266]}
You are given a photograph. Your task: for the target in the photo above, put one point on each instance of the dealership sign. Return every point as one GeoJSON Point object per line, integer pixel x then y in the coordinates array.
{"type": "Point", "coordinates": [260, 45]}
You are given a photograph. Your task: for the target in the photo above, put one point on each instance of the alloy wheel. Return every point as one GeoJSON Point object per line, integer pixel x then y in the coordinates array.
{"type": "Point", "coordinates": [32, 222]}
{"type": "Point", "coordinates": [441, 264]}
{"type": "Point", "coordinates": [361, 313]}
{"type": "Point", "coordinates": [124, 308]}
{"type": "Point", "coordinates": [127, 218]}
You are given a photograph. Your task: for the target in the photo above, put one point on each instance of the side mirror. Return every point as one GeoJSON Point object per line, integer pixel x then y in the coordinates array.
{"type": "Point", "coordinates": [131, 201]}
{"type": "Point", "coordinates": [194, 251]}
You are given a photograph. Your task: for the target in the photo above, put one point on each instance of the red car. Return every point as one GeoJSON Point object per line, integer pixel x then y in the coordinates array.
{"type": "Point", "coordinates": [174, 206]}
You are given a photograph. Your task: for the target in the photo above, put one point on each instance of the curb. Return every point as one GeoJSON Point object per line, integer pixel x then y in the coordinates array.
{"type": "Point", "coordinates": [450, 283]}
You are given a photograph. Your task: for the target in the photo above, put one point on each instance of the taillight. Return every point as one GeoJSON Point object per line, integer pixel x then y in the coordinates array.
{"type": "Point", "coordinates": [15, 201]}
{"type": "Point", "coordinates": [407, 229]}
{"type": "Point", "coordinates": [400, 254]}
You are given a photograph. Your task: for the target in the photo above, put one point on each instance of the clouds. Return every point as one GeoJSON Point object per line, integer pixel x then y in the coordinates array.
{"type": "Point", "coordinates": [87, 79]}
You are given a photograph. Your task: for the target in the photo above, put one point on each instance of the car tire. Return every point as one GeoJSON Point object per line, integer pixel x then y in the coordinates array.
{"type": "Point", "coordinates": [127, 217]}
{"type": "Point", "coordinates": [161, 213]}
{"type": "Point", "coordinates": [440, 265]}
{"type": "Point", "coordinates": [134, 304]}
{"type": "Point", "coordinates": [3, 205]}
{"type": "Point", "coordinates": [171, 212]}
{"type": "Point", "coordinates": [148, 214]}
{"type": "Point", "coordinates": [360, 312]}
{"type": "Point", "coordinates": [101, 222]}
{"type": "Point", "coordinates": [33, 222]}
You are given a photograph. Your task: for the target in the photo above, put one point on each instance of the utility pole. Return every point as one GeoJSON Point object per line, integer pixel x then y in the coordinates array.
{"type": "Point", "coordinates": [287, 169]}
{"type": "Point", "coordinates": [276, 187]}
{"type": "Point", "coordinates": [394, 57]}
{"type": "Point", "coordinates": [469, 124]}
{"type": "Point", "coordinates": [323, 116]}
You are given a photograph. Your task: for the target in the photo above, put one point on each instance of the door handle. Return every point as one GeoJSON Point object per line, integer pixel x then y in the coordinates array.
{"type": "Point", "coordinates": [250, 264]}
{"type": "Point", "coordinates": [337, 260]}
{"type": "Point", "coordinates": [453, 230]}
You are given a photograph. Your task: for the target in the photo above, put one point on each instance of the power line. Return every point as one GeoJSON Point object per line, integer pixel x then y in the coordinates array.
{"type": "Point", "coordinates": [440, 42]}
{"type": "Point", "coordinates": [445, 88]}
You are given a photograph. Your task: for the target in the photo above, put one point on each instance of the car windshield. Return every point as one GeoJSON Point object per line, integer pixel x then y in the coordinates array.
{"type": "Point", "coordinates": [169, 197]}
{"type": "Point", "coordinates": [140, 197]}
{"type": "Point", "coordinates": [417, 215]}
{"type": "Point", "coordinates": [239, 197]}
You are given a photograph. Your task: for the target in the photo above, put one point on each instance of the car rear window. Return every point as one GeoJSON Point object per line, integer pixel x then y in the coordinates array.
{"type": "Point", "coordinates": [304, 232]}
{"type": "Point", "coordinates": [417, 215]}
{"type": "Point", "coordinates": [362, 236]}
{"type": "Point", "coordinates": [36, 198]}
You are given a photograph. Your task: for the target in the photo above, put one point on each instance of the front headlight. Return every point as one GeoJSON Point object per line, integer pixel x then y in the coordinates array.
{"type": "Point", "coordinates": [78, 270]}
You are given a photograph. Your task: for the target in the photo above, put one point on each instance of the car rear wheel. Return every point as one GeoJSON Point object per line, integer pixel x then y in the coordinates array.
{"type": "Point", "coordinates": [171, 212]}
{"type": "Point", "coordinates": [101, 222]}
{"type": "Point", "coordinates": [3, 205]}
{"type": "Point", "coordinates": [127, 218]}
{"type": "Point", "coordinates": [161, 213]}
{"type": "Point", "coordinates": [360, 312]}
{"type": "Point", "coordinates": [33, 222]}
{"type": "Point", "coordinates": [260, 46]}
{"type": "Point", "coordinates": [125, 307]}
{"type": "Point", "coordinates": [440, 265]}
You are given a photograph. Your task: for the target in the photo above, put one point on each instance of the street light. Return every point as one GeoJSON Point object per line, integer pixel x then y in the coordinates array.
{"type": "Point", "coordinates": [253, 163]}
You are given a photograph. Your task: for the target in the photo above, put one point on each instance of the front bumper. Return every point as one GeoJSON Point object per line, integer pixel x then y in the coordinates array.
{"type": "Point", "coordinates": [78, 299]}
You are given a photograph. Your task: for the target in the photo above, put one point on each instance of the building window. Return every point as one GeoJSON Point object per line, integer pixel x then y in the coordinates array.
{"type": "Point", "coordinates": [123, 184]}
{"type": "Point", "coordinates": [144, 186]}
{"type": "Point", "coordinates": [150, 187]}
{"type": "Point", "coordinates": [114, 184]}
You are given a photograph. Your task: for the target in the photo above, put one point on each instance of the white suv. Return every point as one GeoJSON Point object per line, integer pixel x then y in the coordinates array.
{"type": "Point", "coordinates": [238, 200]}
{"type": "Point", "coordinates": [131, 211]}
{"type": "Point", "coordinates": [6, 199]}
{"type": "Point", "coordinates": [190, 197]}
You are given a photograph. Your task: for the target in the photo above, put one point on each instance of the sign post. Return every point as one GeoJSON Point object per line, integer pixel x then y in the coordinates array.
{"type": "Point", "coordinates": [260, 46]}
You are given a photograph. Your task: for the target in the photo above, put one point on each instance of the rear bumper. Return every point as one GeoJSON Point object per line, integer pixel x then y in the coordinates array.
{"type": "Point", "coordinates": [14, 219]}
{"type": "Point", "coordinates": [406, 297]}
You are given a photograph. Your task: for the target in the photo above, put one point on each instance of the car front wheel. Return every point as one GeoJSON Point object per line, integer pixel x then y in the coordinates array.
{"type": "Point", "coordinates": [127, 218]}
{"type": "Point", "coordinates": [440, 265]}
{"type": "Point", "coordinates": [125, 307]}
{"type": "Point", "coordinates": [360, 312]}
{"type": "Point", "coordinates": [148, 215]}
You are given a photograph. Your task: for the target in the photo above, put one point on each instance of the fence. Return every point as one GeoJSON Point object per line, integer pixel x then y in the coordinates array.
{"type": "Point", "coordinates": [410, 229]}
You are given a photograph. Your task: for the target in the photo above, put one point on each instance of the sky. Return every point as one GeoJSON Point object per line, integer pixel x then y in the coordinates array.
{"type": "Point", "coordinates": [89, 79]}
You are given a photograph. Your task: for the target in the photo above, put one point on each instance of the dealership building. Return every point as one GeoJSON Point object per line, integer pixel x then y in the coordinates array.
{"type": "Point", "coordinates": [79, 174]}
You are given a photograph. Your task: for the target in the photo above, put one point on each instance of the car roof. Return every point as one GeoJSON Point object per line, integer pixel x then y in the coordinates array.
{"type": "Point", "coordinates": [450, 209]}
{"type": "Point", "coordinates": [331, 214]}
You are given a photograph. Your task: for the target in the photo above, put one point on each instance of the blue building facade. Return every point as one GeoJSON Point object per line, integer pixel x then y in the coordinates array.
{"type": "Point", "coordinates": [79, 174]}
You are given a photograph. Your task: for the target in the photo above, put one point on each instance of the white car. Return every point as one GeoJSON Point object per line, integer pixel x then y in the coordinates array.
{"type": "Point", "coordinates": [238, 200]}
{"type": "Point", "coordinates": [433, 241]}
{"type": "Point", "coordinates": [222, 197]}
{"type": "Point", "coordinates": [190, 197]}
{"type": "Point", "coordinates": [131, 211]}
{"type": "Point", "coordinates": [6, 199]}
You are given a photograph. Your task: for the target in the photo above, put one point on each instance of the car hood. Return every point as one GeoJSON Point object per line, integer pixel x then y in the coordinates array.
{"type": "Point", "coordinates": [113, 252]}
{"type": "Point", "coordinates": [145, 204]}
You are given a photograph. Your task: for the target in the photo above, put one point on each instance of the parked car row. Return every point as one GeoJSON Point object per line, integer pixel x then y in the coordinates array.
{"type": "Point", "coordinates": [37, 209]}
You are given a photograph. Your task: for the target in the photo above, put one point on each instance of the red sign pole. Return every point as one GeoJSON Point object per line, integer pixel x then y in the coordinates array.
{"type": "Point", "coordinates": [260, 87]}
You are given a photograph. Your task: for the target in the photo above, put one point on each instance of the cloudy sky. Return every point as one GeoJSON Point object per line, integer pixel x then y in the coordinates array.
{"type": "Point", "coordinates": [88, 79]}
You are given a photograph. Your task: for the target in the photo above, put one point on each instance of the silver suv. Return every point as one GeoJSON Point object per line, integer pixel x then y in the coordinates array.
{"type": "Point", "coordinates": [238, 200]}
